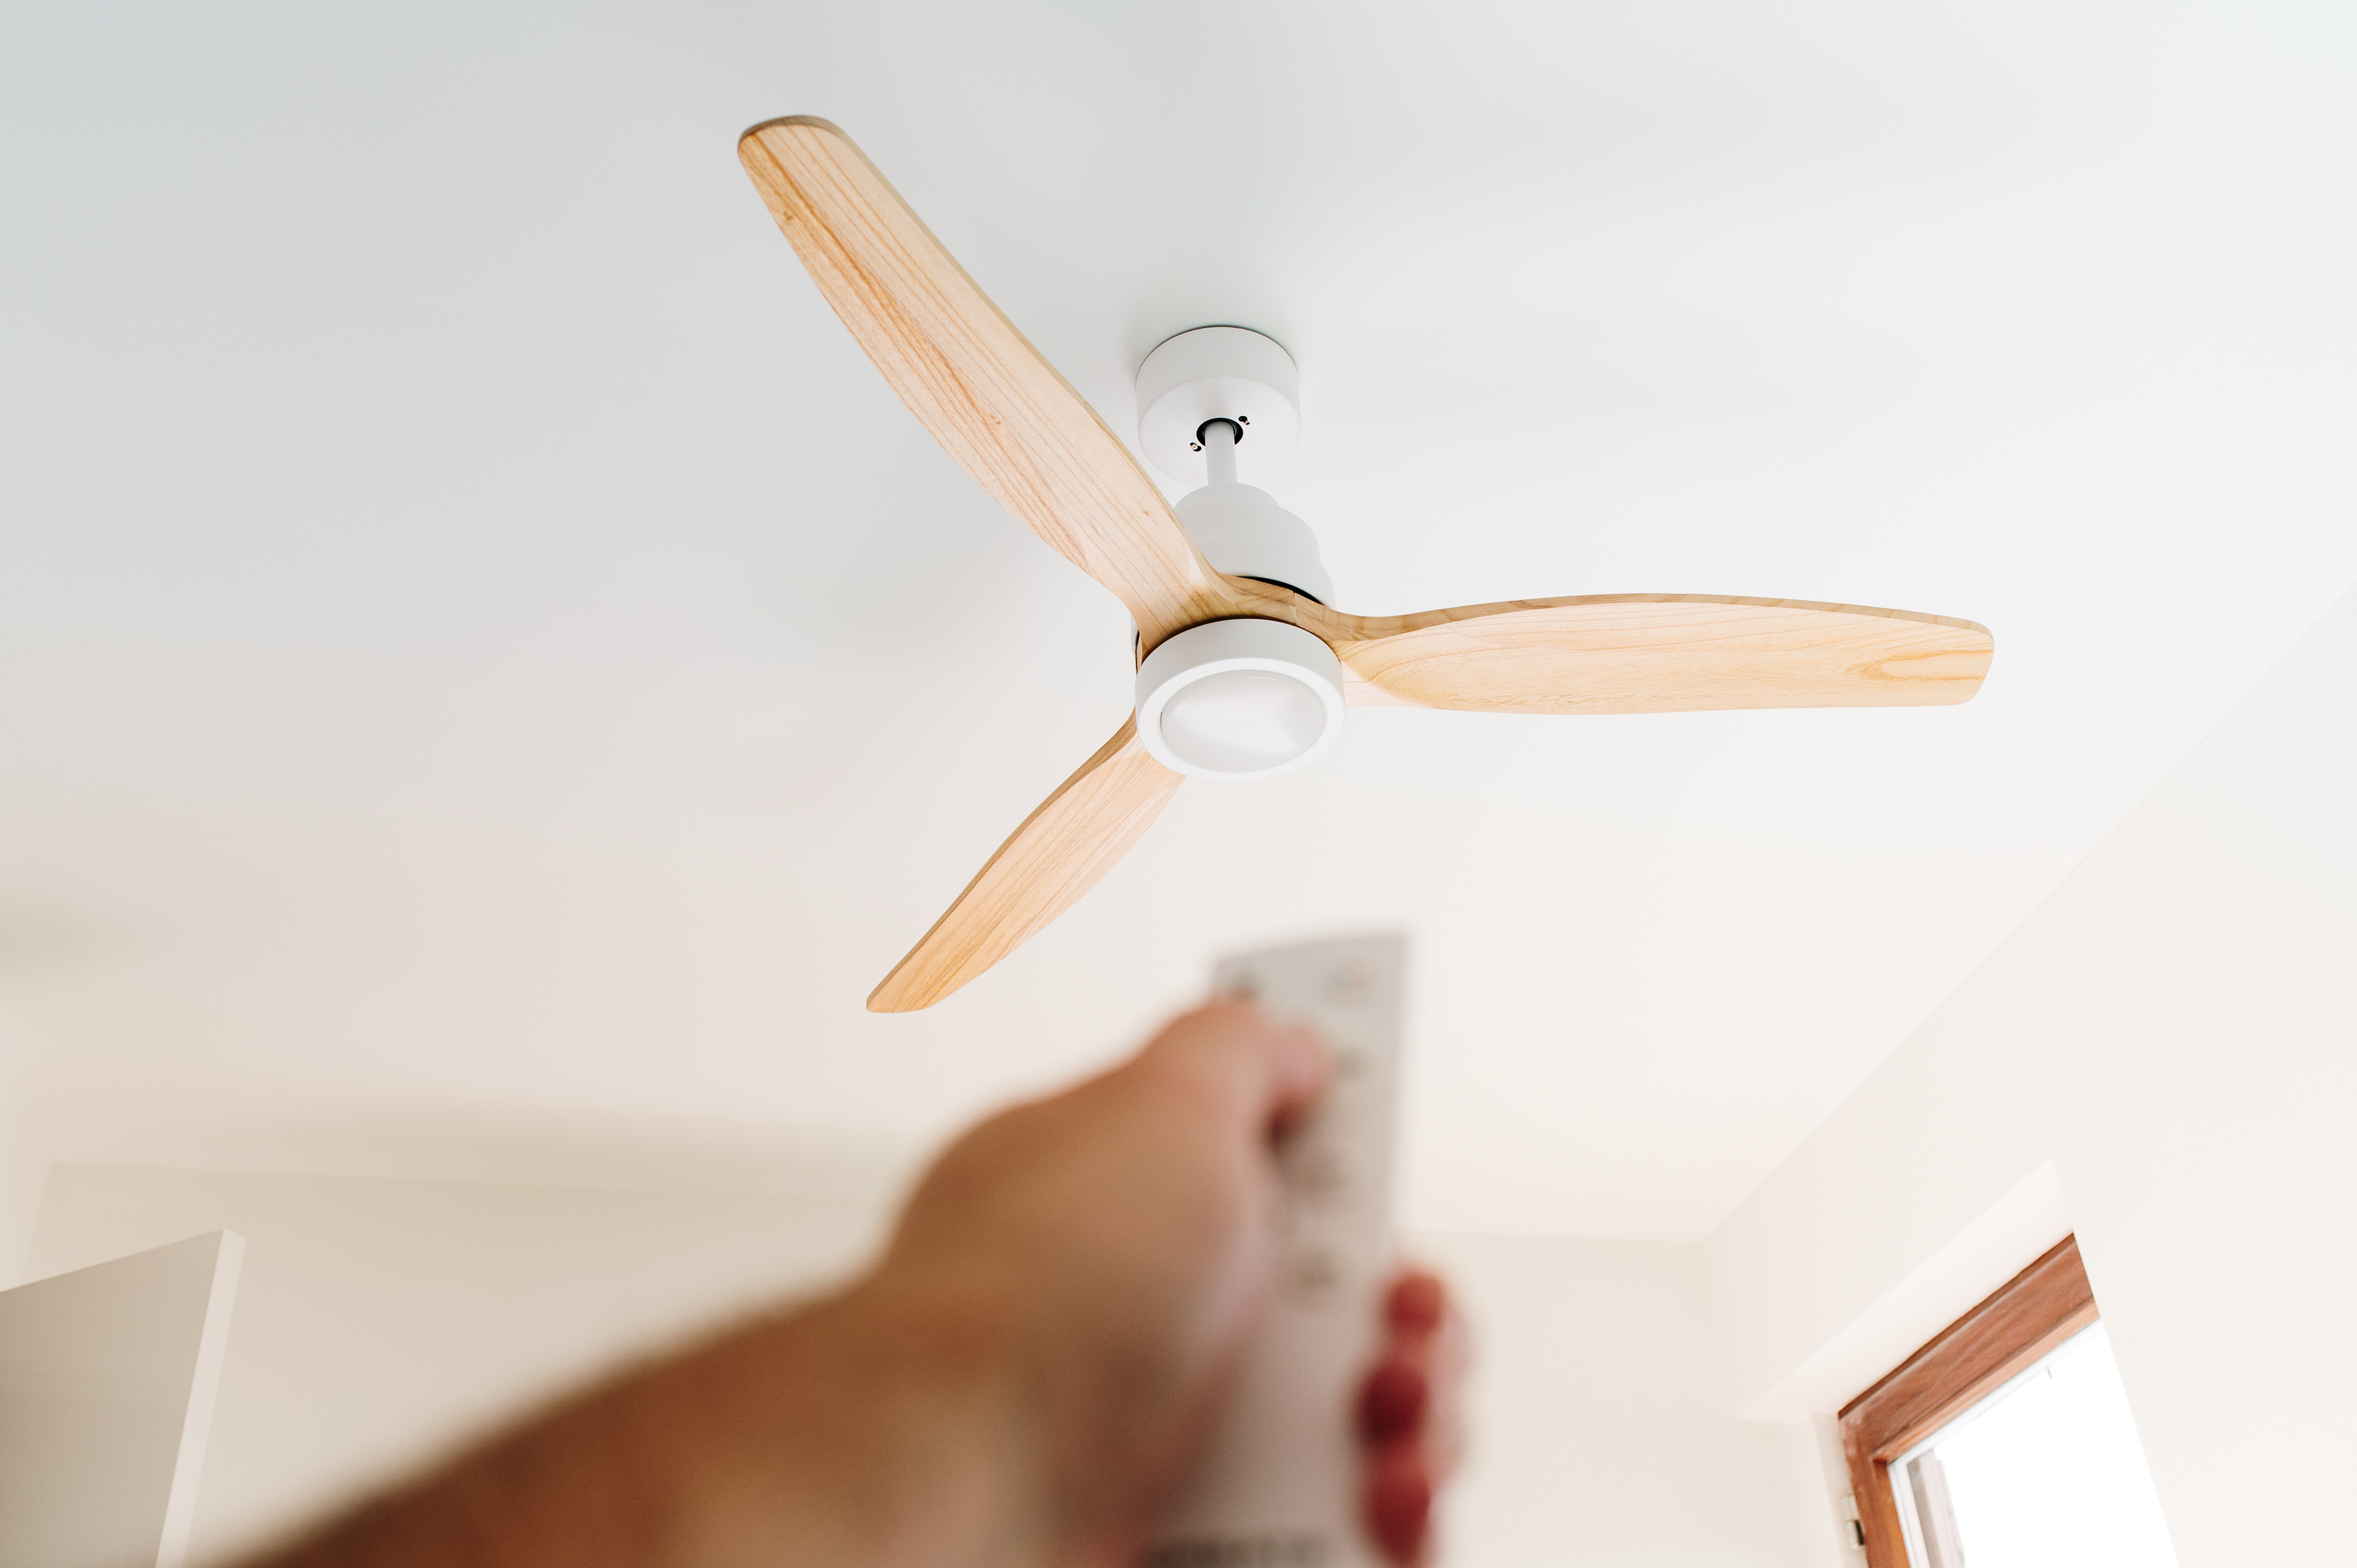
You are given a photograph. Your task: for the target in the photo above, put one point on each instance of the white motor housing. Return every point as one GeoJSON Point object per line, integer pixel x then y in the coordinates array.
{"type": "Point", "coordinates": [1242, 531]}
{"type": "Point", "coordinates": [1216, 406]}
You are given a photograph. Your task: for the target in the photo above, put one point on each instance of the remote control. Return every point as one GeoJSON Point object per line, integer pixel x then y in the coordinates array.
{"type": "Point", "coordinates": [1278, 1484]}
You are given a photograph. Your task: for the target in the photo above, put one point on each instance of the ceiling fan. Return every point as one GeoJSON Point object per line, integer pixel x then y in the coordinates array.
{"type": "Point", "coordinates": [1243, 670]}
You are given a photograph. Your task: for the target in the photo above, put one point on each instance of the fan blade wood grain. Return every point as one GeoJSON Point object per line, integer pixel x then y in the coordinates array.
{"type": "Point", "coordinates": [1641, 653]}
{"type": "Point", "coordinates": [1652, 653]}
{"type": "Point", "coordinates": [1061, 851]}
{"type": "Point", "coordinates": [963, 369]}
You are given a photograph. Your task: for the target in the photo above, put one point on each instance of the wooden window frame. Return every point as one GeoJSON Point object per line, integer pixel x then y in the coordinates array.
{"type": "Point", "coordinates": [2027, 1316]}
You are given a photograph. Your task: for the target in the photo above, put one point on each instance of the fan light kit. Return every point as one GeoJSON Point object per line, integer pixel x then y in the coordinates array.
{"type": "Point", "coordinates": [1243, 668]}
{"type": "Point", "coordinates": [1239, 699]}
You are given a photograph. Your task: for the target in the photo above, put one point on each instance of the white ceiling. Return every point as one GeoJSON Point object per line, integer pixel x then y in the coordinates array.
{"type": "Point", "coordinates": [492, 677]}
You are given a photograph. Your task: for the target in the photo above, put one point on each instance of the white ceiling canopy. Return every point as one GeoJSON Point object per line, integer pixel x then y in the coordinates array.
{"type": "Point", "coordinates": [490, 677]}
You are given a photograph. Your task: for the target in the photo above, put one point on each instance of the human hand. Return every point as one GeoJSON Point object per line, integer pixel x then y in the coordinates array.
{"type": "Point", "coordinates": [1124, 1230]}
{"type": "Point", "coordinates": [1021, 1378]}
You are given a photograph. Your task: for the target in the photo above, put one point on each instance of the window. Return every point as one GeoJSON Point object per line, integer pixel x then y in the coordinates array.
{"type": "Point", "coordinates": [2007, 1440]}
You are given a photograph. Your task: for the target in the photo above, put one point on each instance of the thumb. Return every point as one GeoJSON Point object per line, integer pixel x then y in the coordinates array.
{"type": "Point", "coordinates": [1262, 1073]}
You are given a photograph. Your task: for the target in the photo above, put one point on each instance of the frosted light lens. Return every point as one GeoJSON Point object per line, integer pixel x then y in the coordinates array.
{"type": "Point", "coordinates": [1243, 721]}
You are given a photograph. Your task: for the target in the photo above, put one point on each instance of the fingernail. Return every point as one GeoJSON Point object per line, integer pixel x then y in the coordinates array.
{"type": "Point", "coordinates": [1399, 1506]}
{"type": "Point", "coordinates": [1417, 1303]}
{"type": "Point", "coordinates": [1392, 1402]}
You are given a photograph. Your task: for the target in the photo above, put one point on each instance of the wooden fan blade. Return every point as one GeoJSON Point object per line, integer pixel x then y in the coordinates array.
{"type": "Point", "coordinates": [1061, 851]}
{"type": "Point", "coordinates": [1653, 653]}
{"type": "Point", "coordinates": [964, 370]}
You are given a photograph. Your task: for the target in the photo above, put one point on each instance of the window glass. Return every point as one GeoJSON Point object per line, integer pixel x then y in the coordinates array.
{"type": "Point", "coordinates": [2045, 1473]}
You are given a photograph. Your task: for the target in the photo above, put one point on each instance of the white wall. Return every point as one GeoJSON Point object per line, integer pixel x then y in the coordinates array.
{"type": "Point", "coordinates": [2175, 1030]}
{"type": "Point", "coordinates": [380, 1320]}
{"type": "Point", "coordinates": [24, 1165]}
{"type": "Point", "coordinates": [1602, 1430]}
{"type": "Point", "coordinates": [108, 1376]}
